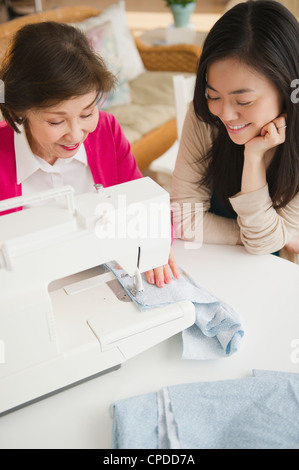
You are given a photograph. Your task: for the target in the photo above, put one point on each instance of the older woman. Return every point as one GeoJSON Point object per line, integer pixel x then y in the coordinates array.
{"type": "Point", "coordinates": [54, 133]}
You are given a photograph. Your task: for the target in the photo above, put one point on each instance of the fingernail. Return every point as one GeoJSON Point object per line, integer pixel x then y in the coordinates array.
{"type": "Point", "coordinates": [160, 283]}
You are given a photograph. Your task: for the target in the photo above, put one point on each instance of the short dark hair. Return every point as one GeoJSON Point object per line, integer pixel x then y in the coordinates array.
{"type": "Point", "coordinates": [47, 63]}
{"type": "Point", "coordinates": [264, 35]}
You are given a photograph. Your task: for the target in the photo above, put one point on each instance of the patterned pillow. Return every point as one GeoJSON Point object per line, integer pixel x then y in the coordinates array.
{"type": "Point", "coordinates": [131, 62]}
{"type": "Point", "coordinates": [102, 40]}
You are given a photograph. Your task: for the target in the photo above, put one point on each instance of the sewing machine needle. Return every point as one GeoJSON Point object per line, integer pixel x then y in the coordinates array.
{"type": "Point", "coordinates": [138, 279]}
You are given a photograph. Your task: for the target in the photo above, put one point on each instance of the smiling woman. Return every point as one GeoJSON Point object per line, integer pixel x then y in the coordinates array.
{"type": "Point", "coordinates": [58, 131]}
{"type": "Point", "coordinates": [54, 133]}
{"type": "Point", "coordinates": [46, 64]}
{"type": "Point", "coordinates": [244, 100]}
{"type": "Point", "coordinates": [239, 152]}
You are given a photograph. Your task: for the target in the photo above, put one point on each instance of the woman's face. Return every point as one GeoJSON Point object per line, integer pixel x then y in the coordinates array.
{"type": "Point", "coordinates": [59, 130]}
{"type": "Point", "coordinates": [241, 98]}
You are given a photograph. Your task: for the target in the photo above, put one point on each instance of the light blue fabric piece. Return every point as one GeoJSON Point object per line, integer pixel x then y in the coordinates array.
{"type": "Point", "coordinates": [138, 411]}
{"type": "Point", "coordinates": [251, 413]}
{"type": "Point", "coordinates": [217, 331]}
{"type": "Point", "coordinates": [273, 373]}
{"type": "Point", "coordinates": [259, 412]}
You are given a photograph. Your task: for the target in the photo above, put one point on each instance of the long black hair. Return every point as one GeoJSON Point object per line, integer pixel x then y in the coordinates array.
{"type": "Point", "coordinates": [264, 35]}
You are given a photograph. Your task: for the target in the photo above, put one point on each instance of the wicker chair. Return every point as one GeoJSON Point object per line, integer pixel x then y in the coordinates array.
{"type": "Point", "coordinates": [176, 58]}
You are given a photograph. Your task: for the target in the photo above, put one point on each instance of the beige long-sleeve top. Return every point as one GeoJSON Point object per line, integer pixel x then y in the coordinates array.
{"type": "Point", "coordinates": [262, 229]}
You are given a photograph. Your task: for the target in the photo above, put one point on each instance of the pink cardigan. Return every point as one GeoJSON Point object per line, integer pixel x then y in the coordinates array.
{"type": "Point", "coordinates": [108, 153]}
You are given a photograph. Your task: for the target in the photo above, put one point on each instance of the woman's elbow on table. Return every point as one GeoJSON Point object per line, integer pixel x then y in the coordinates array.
{"type": "Point", "coordinates": [261, 245]}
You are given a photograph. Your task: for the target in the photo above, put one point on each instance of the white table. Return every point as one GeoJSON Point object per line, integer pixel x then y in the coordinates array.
{"type": "Point", "coordinates": [263, 289]}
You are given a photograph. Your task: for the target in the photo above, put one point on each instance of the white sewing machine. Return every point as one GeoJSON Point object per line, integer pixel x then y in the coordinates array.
{"type": "Point", "coordinates": [64, 318]}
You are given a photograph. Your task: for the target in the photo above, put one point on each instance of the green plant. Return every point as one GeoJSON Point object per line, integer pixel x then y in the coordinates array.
{"type": "Point", "coordinates": [179, 2]}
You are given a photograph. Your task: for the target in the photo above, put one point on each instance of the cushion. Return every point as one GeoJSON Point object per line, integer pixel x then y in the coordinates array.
{"type": "Point", "coordinates": [152, 104]}
{"type": "Point", "coordinates": [102, 40]}
{"type": "Point", "coordinates": [132, 64]}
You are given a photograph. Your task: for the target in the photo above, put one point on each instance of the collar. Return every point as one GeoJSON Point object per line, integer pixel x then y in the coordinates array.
{"type": "Point", "coordinates": [28, 163]}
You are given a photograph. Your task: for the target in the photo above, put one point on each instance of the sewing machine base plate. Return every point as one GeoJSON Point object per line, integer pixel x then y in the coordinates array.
{"type": "Point", "coordinates": [97, 327]}
{"type": "Point", "coordinates": [55, 392]}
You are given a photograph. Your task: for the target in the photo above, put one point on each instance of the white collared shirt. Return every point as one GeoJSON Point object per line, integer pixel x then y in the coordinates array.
{"type": "Point", "coordinates": [35, 174]}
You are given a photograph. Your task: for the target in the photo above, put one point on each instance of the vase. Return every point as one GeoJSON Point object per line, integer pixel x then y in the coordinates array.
{"type": "Point", "coordinates": [181, 14]}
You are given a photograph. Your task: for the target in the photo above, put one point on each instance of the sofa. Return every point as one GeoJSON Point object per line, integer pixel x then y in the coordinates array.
{"type": "Point", "coordinates": [144, 100]}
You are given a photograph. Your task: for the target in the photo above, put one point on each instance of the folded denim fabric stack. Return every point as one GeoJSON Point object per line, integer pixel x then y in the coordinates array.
{"type": "Point", "coordinates": [259, 412]}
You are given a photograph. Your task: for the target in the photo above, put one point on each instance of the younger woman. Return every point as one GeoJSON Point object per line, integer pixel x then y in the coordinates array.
{"type": "Point", "coordinates": [239, 151]}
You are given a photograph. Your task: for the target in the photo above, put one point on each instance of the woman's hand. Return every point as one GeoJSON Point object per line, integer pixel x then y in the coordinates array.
{"type": "Point", "coordinates": [293, 246]}
{"type": "Point", "coordinates": [162, 275]}
{"type": "Point", "coordinates": [258, 153]}
{"type": "Point", "coordinates": [272, 135]}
